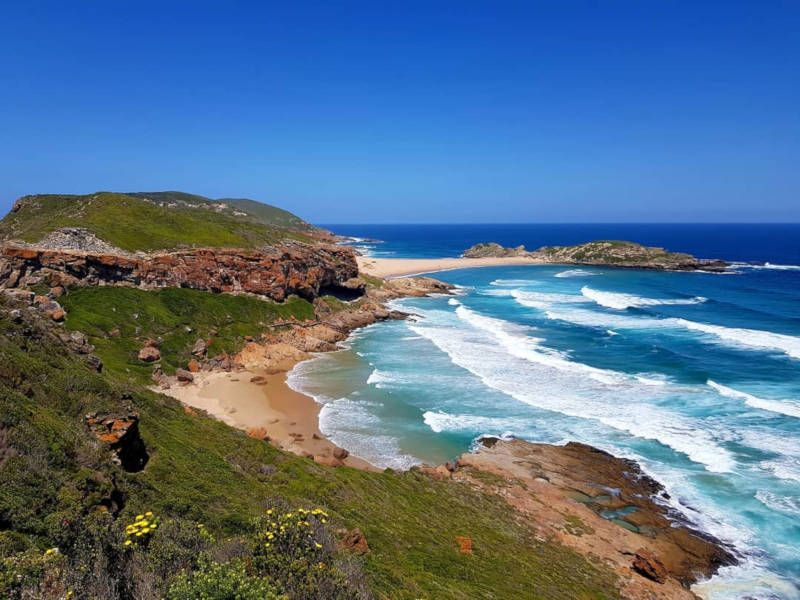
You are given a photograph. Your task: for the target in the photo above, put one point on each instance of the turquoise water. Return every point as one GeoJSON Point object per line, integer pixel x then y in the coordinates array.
{"type": "Point", "coordinates": [695, 375]}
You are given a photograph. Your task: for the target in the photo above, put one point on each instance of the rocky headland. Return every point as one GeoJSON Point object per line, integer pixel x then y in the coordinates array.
{"type": "Point", "coordinates": [598, 504]}
{"type": "Point", "coordinates": [606, 253]}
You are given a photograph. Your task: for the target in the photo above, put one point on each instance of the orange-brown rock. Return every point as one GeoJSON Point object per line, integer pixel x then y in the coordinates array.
{"type": "Point", "coordinates": [184, 376]}
{"type": "Point", "coordinates": [57, 314]}
{"type": "Point", "coordinates": [121, 434]}
{"type": "Point", "coordinates": [340, 453]}
{"type": "Point", "coordinates": [464, 544]}
{"type": "Point", "coordinates": [356, 541]}
{"type": "Point", "coordinates": [648, 565]}
{"type": "Point", "coordinates": [193, 366]}
{"type": "Point", "coordinates": [275, 272]}
{"type": "Point", "coordinates": [149, 354]}
{"type": "Point", "coordinates": [258, 433]}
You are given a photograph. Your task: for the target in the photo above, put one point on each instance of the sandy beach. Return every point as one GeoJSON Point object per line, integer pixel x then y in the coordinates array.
{"type": "Point", "coordinates": [400, 267]}
{"type": "Point", "coordinates": [265, 408]}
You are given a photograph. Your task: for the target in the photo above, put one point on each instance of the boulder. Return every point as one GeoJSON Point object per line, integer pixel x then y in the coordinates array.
{"type": "Point", "coordinates": [340, 453]}
{"type": "Point", "coordinates": [193, 366]}
{"type": "Point", "coordinates": [464, 544]}
{"type": "Point", "coordinates": [57, 315]}
{"type": "Point", "coordinates": [121, 434]}
{"type": "Point", "coordinates": [199, 348]}
{"type": "Point", "coordinates": [355, 541]}
{"type": "Point", "coordinates": [149, 354]}
{"type": "Point", "coordinates": [184, 376]}
{"type": "Point", "coordinates": [648, 565]}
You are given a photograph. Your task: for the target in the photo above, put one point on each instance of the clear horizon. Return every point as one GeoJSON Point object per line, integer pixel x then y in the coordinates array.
{"type": "Point", "coordinates": [416, 113]}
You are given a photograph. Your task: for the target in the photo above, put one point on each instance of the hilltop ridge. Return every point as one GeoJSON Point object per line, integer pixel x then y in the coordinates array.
{"type": "Point", "coordinates": [151, 221]}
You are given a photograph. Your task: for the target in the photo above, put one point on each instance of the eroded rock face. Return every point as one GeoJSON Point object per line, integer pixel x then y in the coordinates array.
{"type": "Point", "coordinates": [121, 434]}
{"type": "Point", "coordinates": [275, 272]}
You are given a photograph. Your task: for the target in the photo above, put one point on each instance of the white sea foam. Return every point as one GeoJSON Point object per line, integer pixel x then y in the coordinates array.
{"type": "Point", "coordinates": [620, 301]}
{"type": "Point", "coordinates": [730, 336]}
{"type": "Point", "coordinates": [453, 302]}
{"type": "Point", "coordinates": [754, 338]}
{"type": "Point", "coordinates": [749, 579]}
{"type": "Point", "coordinates": [411, 337]}
{"type": "Point", "coordinates": [786, 504]}
{"type": "Point", "coordinates": [611, 332]}
{"type": "Point", "coordinates": [526, 371]}
{"type": "Point", "coordinates": [513, 282]}
{"type": "Point", "coordinates": [349, 424]}
{"type": "Point", "coordinates": [784, 407]}
{"type": "Point", "coordinates": [378, 378]}
{"type": "Point", "coordinates": [440, 421]}
{"type": "Point", "coordinates": [766, 265]}
{"type": "Point", "coordinates": [575, 273]}
{"type": "Point", "coordinates": [543, 300]}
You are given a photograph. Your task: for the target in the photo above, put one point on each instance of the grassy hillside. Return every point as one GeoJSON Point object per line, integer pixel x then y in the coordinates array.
{"type": "Point", "coordinates": [207, 484]}
{"type": "Point", "coordinates": [152, 221]}
{"type": "Point", "coordinates": [118, 320]}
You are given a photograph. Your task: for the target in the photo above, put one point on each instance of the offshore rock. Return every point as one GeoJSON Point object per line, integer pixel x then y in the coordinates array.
{"type": "Point", "coordinates": [608, 253]}
{"type": "Point", "coordinates": [275, 272]}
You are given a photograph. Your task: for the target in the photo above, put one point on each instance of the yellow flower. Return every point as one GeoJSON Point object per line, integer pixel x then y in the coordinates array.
{"type": "Point", "coordinates": [145, 523]}
{"type": "Point", "coordinates": [269, 511]}
{"type": "Point", "coordinates": [317, 545]}
{"type": "Point", "coordinates": [138, 534]}
{"type": "Point", "coordinates": [153, 525]}
{"type": "Point", "coordinates": [266, 545]}
{"type": "Point", "coordinates": [139, 517]}
{"type": "Point", "coordinates": [324, 520]}
{"type": "Point", "coordinates": [148, 514]}
{"type": "Point", "coordinates": [128, 542]}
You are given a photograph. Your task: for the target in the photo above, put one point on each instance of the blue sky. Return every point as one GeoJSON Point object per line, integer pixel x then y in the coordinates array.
{"type": "Point", "coordinates": [430, 111]}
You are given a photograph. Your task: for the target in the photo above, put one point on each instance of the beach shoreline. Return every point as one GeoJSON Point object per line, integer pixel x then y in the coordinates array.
{"type": "Point", "coordinates": [406, 267]}
{"type": "Point", "coordinates": [263, 405]}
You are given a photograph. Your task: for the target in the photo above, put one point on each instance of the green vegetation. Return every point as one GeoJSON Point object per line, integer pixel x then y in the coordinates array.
{"type": "Point", "coordinates": [118, 320]}
{"type": "Point", "coordinates": [60, 489]}
{"type": "Point", "coordinates": [151, 221]}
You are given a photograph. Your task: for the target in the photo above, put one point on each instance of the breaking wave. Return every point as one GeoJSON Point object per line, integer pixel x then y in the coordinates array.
{"type": "Point", "coordinates": [784, 407]}
{"type": "Point", "coordinates": [620, 301]}
{"type": "Point", "coordinates": [575, 273]}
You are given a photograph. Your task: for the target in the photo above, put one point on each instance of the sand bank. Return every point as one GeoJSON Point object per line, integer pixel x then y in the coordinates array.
{"type": "Point", "coordinates": [268, 407]}
{"type": "Point", "coordinates": [398, 267]}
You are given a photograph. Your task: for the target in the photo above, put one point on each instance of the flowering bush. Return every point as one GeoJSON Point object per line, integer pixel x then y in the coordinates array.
{"type": "Point", "coordinates": [228, 581]}
{"type": "Point", "coordinates": [294, 549]}
{"type": "Point", "coordinates": [141, 529]}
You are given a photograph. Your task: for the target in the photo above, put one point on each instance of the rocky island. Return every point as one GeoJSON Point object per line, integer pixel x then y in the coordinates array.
{"type": "Point", "coordinates": [606, 253]}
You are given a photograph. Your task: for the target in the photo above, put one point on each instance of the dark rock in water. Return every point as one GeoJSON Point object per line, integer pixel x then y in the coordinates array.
{"type": "Point", "coordinates": [121, 435]}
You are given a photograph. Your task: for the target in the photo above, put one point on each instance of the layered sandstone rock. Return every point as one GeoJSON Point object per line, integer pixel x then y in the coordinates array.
{"type": "Point", "coordinates": [601, 505]}
{"type": "Point", "coordinates": [121, 434]}
{"type": "Point", "coordinates": [275, 272]}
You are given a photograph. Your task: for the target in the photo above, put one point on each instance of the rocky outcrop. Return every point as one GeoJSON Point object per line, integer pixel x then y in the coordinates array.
{"type": "Point", "coordinates": [607, 253]}
{"type": "Point", "coordinates": [597, 503]}
{"type": "Point", "coordinates": [121, 434]}
{"type": "Point", "coordinates": [275, 272]}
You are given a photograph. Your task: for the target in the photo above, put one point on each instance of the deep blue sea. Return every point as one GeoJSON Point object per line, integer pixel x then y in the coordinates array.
{"type": "Point", "coordinates": [695, 375]}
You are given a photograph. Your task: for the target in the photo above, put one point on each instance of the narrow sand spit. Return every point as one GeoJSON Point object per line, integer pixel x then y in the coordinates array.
{"type": "Point", "coordinates": [399, 267]}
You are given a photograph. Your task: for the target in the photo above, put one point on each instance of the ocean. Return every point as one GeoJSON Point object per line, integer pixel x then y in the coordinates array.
{"type": "Point", "coordinates": [694, 375]}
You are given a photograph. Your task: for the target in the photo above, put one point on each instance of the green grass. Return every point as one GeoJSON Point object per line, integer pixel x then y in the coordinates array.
{"type": "Point", "coordinates": [203, 470]}
{"type": "Point", "coordinates": [132, 223]}
{"type": "Point", "coordinates": [165, 314]}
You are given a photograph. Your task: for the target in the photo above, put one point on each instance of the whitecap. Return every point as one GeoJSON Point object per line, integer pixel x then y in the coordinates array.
{"type": "Point", "coordinates": [513, 282]}
{"type": "Point", "coordinates": [784, 407]}
{"type": "Point", "coordinates": [575, 273]}
{"type": "Point", "coordinates": [754, 338]}
{"type": "Point", "coordinates": [785, 504]}
{"type": "Point", "coordinates": [440, 421]}
{"type": "Point", "coordinates": [546, 379]}
{"type": "Point", "coordinates": [619, 301]}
